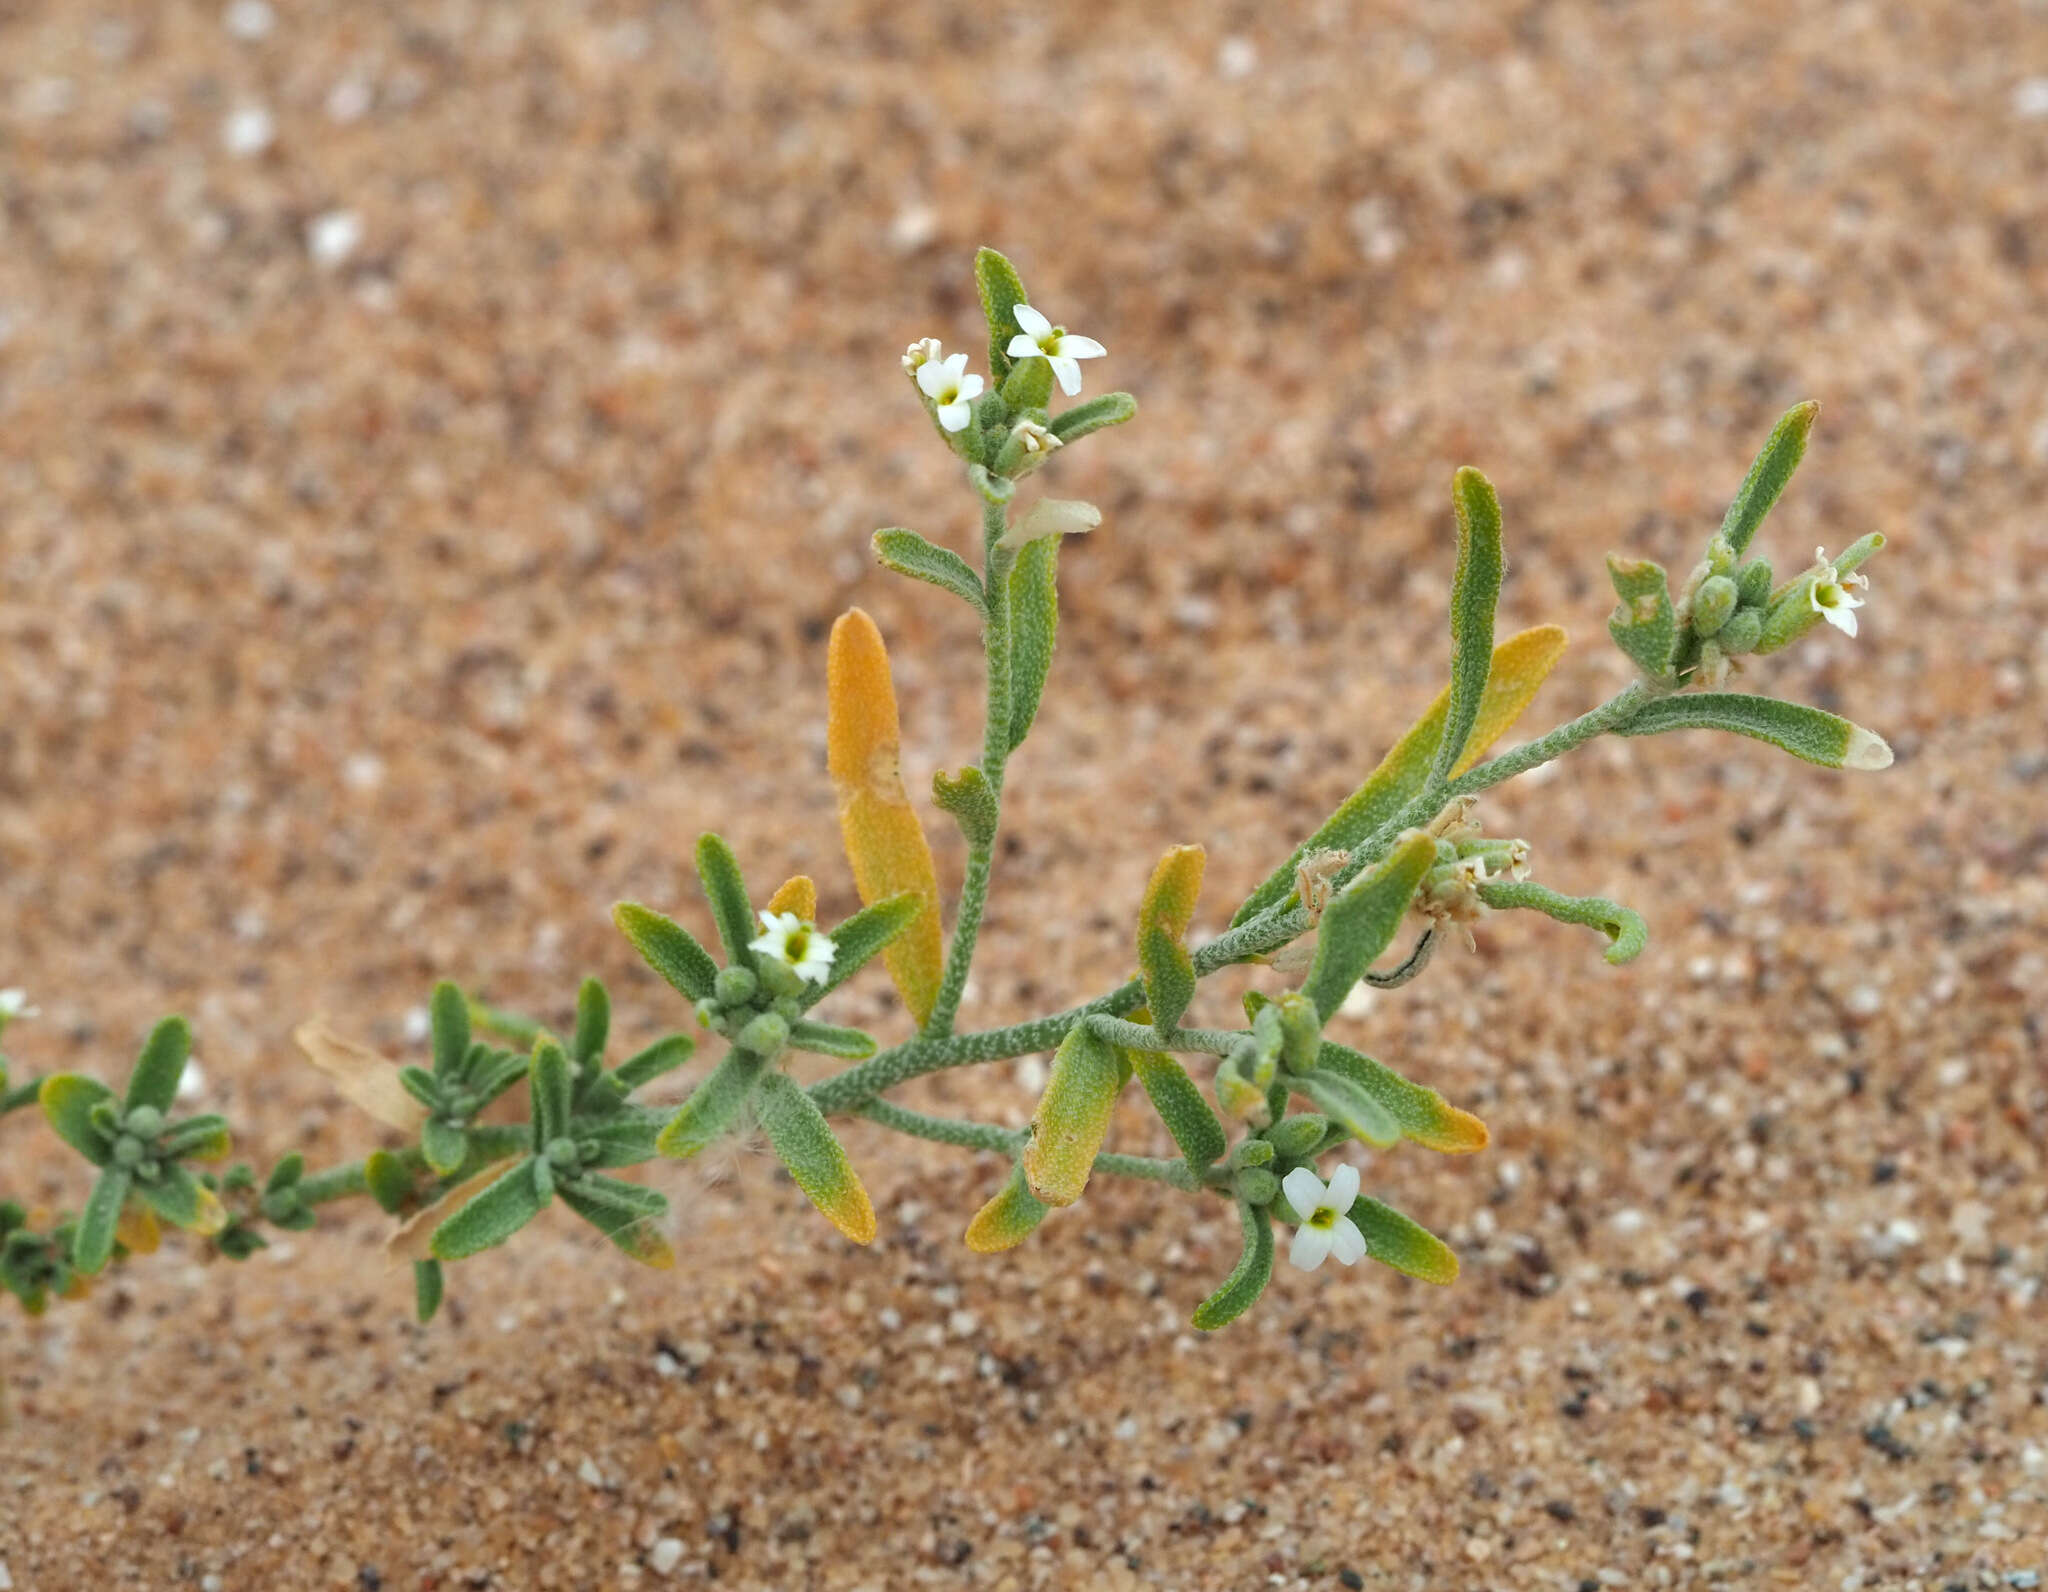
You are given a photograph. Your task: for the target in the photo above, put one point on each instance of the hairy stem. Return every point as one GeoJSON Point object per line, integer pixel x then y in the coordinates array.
{"type": "Point", "coordinates": [20, 1096]}
{"type": "Point", "coordinates": [1008, 1141]}
{"type": "Point", "coordinates": [995, 753]}
{"type": "Point", "coordinates": [1143, 1036]}
{"type": "Point", "coordinates": [487, 1143]}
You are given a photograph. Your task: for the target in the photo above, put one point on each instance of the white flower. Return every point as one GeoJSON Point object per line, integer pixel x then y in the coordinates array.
{"type": "Point", "coordinates": [1051, 517]}
{"type": "Point", "coordinates": [921, 353]}
{"type": "Point", "coordinates": [1830, 597]}
{"type": "Point", "coordinates": [789, 939]}
{"type": "Point", "coordinates": [947, 384]}
{"type": "Point", "coordinates": [1059, 347]}
{"type": "Point", "coordinates": [14, 1003]}
{"type": "Point", "coordinates": [1326, 1226]}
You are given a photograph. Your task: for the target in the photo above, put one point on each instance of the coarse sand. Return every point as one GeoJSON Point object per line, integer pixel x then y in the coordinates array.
{"type": "Point", "coordinates": [434, 441]}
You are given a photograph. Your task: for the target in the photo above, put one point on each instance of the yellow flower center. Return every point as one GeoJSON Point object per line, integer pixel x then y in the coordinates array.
{"type": "Point", "coordinates": [1322, 1216]}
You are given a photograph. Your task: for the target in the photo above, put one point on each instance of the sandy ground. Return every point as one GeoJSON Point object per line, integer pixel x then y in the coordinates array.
{"type": "Point", "coordinates": [433, 442]}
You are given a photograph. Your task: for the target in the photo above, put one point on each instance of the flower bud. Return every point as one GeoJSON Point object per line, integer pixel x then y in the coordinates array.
{"type": "Point", "coordinates": [1028, 446]}
{"type": "Point", "coordinates": [735, 986]}
{"type": "Point", "coordinates": [1753, 583]}
{"type": "Point", "coordinates": [766, 1035]}
{"type": "Point", "coordinates": [1743, 631]}
{"type": "Point", "coordinates": [1712, 604]}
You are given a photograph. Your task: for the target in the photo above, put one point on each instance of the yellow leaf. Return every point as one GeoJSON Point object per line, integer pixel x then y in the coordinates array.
{"type": "Point", "coordinates": [798, 895]}
{"type": "Point", "coordinates": [1169, 902]}
{"type": "Point", "coordinates": [137, 1230]}
{"type": "Point", "coordinates": [1520, 666]}
{"type": "Point", "coordinates": [212, 1217]}
{"type": "Point", "coordinates": [885, 842]}
{"type": "Point", "coordinates": [1007, 1219]}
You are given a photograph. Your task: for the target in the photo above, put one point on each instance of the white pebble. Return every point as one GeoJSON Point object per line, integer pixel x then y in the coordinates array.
{"type": "Point", "coordinates": [1236, 57]}
{"type": "Point", "coordinates": [6, 1580]}
{"type": "Point", "coordinates": [349, 99]}
{"type": "Point", "coordinates": [1902, 1234]}
{"type": "Point", "coordinates": [913, 228]}
{"type": "Point", "coordinates": [665, 1555]}
{"type": "Point", "coordinates": [247, 132]}
{"type": "Point", "coordinates": [962, 1323]}
{"type": "Point", "coordinates": [2030, 99]}
{"type": "Point", "coordinates": [331, 238]}
{"type": "Point", "coordinates": [1628, 1221]}
{"type": "Point", "coordinates": [666, 1364]}
{"type": "Point", "coordinates": [249, 20]}
{"type": "Point", "coordinates": [589, 1474]}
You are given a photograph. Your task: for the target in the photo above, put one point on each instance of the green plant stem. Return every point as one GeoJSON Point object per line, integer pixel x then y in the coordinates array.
{"type": "Point", "coordinates": [1008, 1141]}
{"type": "Point", "coordinates": [1616, 711]}
{"type": "Point", "coordinates": [20, 1096]}
{"type": "Point", "coordinates": [487, 1143]}
{"type": "Point", "coordinates": [995, 753]}
{"type": "Point", "coordinates": [1143, 1036]}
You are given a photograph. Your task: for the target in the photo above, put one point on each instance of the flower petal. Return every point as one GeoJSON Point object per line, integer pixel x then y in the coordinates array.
{"type": "Point", "coordinates": [1074, 347]}
{"type": "Point", "coordinates": [1035, 324]}
{"type": "Point", "coordinates": [1024, 346]}
{"type": "Point", "coordinates": [970, 387]}
{"type": "Point", "coordinates": [1310, 1248]}
{"type": "Point", "coordinates": [1304, 1190]}
{"type": "Point", "coordinates": [933, 378]}
{"type": "Point", "coordinates": [1343, 1187]}
{"type": "Point", "coordinates": [1843, 619]}
{"type": "Point", "coordinates": [954, 416]}
{"type": "Point", "coordinates": [1069, 374]}
{"type": "Point", "coordinates": [1347, 1243]}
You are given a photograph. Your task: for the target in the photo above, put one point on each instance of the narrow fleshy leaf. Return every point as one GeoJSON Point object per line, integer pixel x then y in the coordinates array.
{"type": "Point", "coordinates": [449, 1012]}
{"type": "Point", "coordinates": [593, 1022]}
{"type": "Point", "coordinates": [714, 1105]}
{"type": "Point", "coordinates": [1790, 726]}
{"type": "Point", "coordinates": [1644, 626]}
{"type": "Point", "coordinates": [907, 553]}
{"type": "Point", "coordinates": [1393, 1240]}
{"type": "Point", "coordinates": [413, 1238]}
{"type": "Point", "coordinates": [869, 931]}
{"type": "Point", "coordinates": [203, 1138]}
{"type": "Point", "coordinates": [550, 1085]}
{"type": "Point", "coordinates": [137, 1230]}
{"type": "Point", "coordinates": [1092, 414]}
{"type": "Point", "coordinates": [1241, 1289]}
{"type": "Point", "coordinates": [662, 1057]}
{"type": "Point", "coordinates": [669, 948]}
{"type": "Point", "coordinates": [516, 1027]}
{"type": "Point", "coordinates": [154, 1082]}
{"type": "Point", "coordinates": [1767, 476]}
{"type": "Point", "coordinates": [1181, 1107]}
{"type": "Point", "coordinates": [797, 895]}
{"type": "Point", "coordinates": [1073, 1115]}
{"type": "Point", "coordinates": [1034, 628]}
{"type": "Point", "coordinates": [1361, 920]}
{"type": "Point", "coordinates": [1007, 1219]}
{"type": "Point", "coordinates": [67, 1099]}
{"type": "Point", "coordinates": [365, 1079]}
{"type": "Point", "coordinates": [181, 1199]}
{"type": "Point", "coordinates": [1423, 1114]}
{"type": "Point", "coordinates": [719, 871]}
{"type": "Point", "coordinates": [1353, 1108]}
{"type": "Point", "coordinates": [827, 1039]}
{"type": "Point", "coordinates": [93, 1242]}
{"type": "Point", "coordinates": [1475, 591]}
{"type": "Point", "coordinates": [636, 1234]}
{"type": "Point", "coordinates": [444, 1145]}
{"type": "Point", "coordinates": [816, 1160]}
{"type": "Point", "coordinates": [389, 1180]}
{"type": "Point", "coordinates": [1520, 666]}
{"type": "Point", "coordinates": [1624, 928]}
{"type": "Point", "coordinates": [506, 1204]}
{"type": "Point", "coordinates": [1164, 915]}
{"type": "Point", "coordinates": [626, 1138]}
{"type": "Point", "coordinates": [884, 840]}
{"type": "Point", "coordinates": [972, 801]}
{"type": "Point", "coordinates": [1001, 292]}
{"type": "Point", "coordinates": [428, 1286]}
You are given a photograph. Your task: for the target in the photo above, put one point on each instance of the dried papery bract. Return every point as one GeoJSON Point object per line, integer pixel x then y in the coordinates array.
{"type": "Point", "coordinates": [1275, 1117]}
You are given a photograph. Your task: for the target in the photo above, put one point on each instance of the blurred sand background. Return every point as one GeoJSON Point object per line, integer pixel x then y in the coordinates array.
{"type": "Point", "coordinates": [434, 440]}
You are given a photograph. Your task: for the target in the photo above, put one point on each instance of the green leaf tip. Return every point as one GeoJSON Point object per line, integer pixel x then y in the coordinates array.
{"type": "Point", "coordinates": [1805, 732]}
{"type": "Point", "coordinates": [1768, 474]}
{"type": "Point", "coordinates": [1002, 290]}
{"type": "Point", "coordinates": [669, 948]}
{"type": "Point", "coordinates": [1254, 1269]}
{"type": "Point", "coordinates": [907, 553]}
{"type": "Point", "coordinates": [1475, 592]}
{"type": "Point", "coordinates": [1626, 933]}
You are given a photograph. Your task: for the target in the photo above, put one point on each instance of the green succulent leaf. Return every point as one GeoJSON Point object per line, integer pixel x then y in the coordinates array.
{"type": "Point", "coordinates": [972, 801]}
{"type": "Point", "coordinates": [714, 1105]}
{"type": "Point", "coordinates": [827, 1039]}
{"type": "Point", "coordinates": [1624, 928]}
{"type": "Point", "coordinates": [181, 1199]}
{"type": "Point", "coordinates": [444, 1145]}
{"type": "Point", "coordinates": [1073, 1115]}
{"type": "Point", "coordinates": [1350, 1106]}
{"type": "Point", "coordinates": [593, 1023]}
{"type": "Point", "coordinates": [662, 1057]}
{"type": "Point", "coordinates": [449, 1011]}
{"type": "Point", "coordinates": [627, 1214]}
{"type": "Point", "coordinates": [93, 1244]}
{"type": "Point", "coordinates": [1790, 726]}
{"type": "Point", "coordinates": [864, 936]}
{"type": "Point", "coordinates": [669, 948]}
{"type": "Point", "coordinates": [1164, 915]}
{"type": "Point", "coordinates": [1034, 627]}
{"type": "Point", "coordinates": [503, 1207]}
{"type": "Point", "coordinates": [907, 553]}
{"type": "Point", "coordinates": [160, 1066]}
{"type": "Point", "coordinates": [1360, 922]}
{"type": "Point", "coordinates": [1475, 591]}
{"type": "Point", "coordinates": [1009, 1218]}
{"type": "Point", "coordinates": [1767, 476]}
{"type": "Point", "coordinates": [201, 1138]}
{"type": "Point", "coordinates": [1002, 290]}
{"type": "Point", "coordinates": [1393, 1240]}
{"type": "Point", "coordinates": [388, 1178]}
{"type": "Point", "coordinates": [1422, 1114]}
{"type": "Point", "coordinates": [428, 1285]}
{"type": "Point", "coordinates": [67, 1099]}
{"type": "Point", "coordinates": [719, 871]}
{"type": "Point", "coordinates": [551, 1089]}
{"type": "Point", "coordinates": [1181, 1107]}
{"type": "Point", "coordinates": [797, 1130]}
{"type": "Point", "coordinates": [1092, 414]}
{"type": "Point", "coordinates": [1241, 1289]}
{"type": "Point", "coordinates": [1645, 626]}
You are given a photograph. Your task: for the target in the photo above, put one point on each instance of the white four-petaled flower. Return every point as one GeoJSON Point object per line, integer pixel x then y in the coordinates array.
{"type": "Point", "coordinates": [787, 938]}
{"type": "Point", "coordinates": [1059, 347]}
{"type": "Point", "coordinates": [1830, 596]}
{"type": "Point", "coordinates": [921, 353]}
{"type": "Point", "coordinates": [947, 384]}
{"type": "Point", "coordinates": [1326, 1225]}
{"type": "Point", "coordinates": [14, 1003]}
